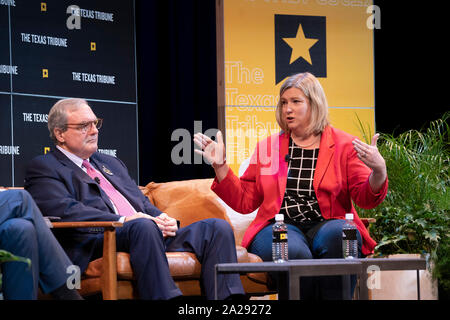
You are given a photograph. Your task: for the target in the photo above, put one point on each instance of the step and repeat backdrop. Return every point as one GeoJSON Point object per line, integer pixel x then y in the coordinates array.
{"type": "Point", "coordinates": [266, 41]}
{"type": "Point", "coordinates": [57, 49]}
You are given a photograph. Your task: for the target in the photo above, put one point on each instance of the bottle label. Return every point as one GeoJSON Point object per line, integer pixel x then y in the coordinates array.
{"type": "Point", "coordinates": [279, 236]}
{"type": "Point", "coordinates": [349, 234]}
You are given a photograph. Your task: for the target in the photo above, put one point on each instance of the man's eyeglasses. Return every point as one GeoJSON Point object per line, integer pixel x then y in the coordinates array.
{"type": "Point", "coordinates": [85, 126]}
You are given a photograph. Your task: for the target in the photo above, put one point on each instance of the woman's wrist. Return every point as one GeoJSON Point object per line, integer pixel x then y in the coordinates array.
{"type": "Point", "coordinates": [221, 170]}
{"type": "Point", "coordinates": [381, 171]}
{"type": "Point", "coordinates": [377, 180]}
{"type": "Point", "coordinates": [219, 165]}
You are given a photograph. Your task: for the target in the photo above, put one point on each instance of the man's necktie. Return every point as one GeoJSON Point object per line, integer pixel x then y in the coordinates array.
{"type": "Point", "coordinates": [122, 206]}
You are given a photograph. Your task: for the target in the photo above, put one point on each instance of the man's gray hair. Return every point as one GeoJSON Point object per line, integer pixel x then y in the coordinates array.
{"type": "Point", "coordinates": [57, 116]}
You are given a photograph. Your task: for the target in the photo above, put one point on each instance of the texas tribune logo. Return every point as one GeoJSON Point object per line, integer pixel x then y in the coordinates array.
{"type": "Point", "coordinates": [300, 46]}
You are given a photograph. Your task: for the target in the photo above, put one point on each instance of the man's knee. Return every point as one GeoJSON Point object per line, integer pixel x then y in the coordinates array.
{"type": "Point", "coordinates": [15, 231]}
{"type": "Point", "coordinates": [18, 226]}
{"type": "Point", "coordinates": [144, 227]}
{"type": "Point", "coordinates": [18, 195]}
{"type": "Point", "coordinates": [18, 199]}
{"type": "Point", "coordinates": [220, 226]}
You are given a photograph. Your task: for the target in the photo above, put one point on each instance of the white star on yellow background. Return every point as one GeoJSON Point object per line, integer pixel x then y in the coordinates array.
{"type": "Point", "coordinates": [300, 45]}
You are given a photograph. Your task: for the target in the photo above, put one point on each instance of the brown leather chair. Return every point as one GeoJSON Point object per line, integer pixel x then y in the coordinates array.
{"type": "Point", "coordinates": [187, 201]}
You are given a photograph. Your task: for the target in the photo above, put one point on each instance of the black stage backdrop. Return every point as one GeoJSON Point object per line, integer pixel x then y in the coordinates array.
{"type": "Point", "coordinates": [411, 65]}
{"type": "Point", "coordinates": [176, 69]}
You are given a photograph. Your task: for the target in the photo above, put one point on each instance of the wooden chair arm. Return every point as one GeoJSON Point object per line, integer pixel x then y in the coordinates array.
{"type": "Point", "coordinates": [109, 274]}
{"type": "Point", "coordinates": [87, 224]}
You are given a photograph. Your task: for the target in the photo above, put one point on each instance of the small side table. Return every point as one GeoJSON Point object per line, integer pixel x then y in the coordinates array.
{"type": "Point", "coordinates": [293, 270]}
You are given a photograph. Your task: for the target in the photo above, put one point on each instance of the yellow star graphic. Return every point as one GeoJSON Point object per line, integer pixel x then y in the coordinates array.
{"type": "Point", "coordinates": [300, 45]}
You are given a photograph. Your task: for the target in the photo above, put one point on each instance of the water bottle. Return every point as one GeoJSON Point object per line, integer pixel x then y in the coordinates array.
{"type": "Point", "coordinates": [279, 240]}
{"type": "Point", "coordinates": [349, 240]}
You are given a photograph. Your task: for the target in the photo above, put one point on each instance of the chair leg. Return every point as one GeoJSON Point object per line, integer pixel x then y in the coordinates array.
{"type": "Point", "coordinates": [109, 276]}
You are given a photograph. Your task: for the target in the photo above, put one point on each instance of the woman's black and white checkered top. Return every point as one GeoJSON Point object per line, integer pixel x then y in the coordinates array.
{"type": "Point", "coordinates": [300, 203]}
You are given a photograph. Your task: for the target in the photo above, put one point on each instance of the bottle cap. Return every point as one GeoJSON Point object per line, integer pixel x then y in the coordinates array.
{"type": "Point", "coordinates": [279, 217]}
{"type": "Point", "coordinates": [349, 216]}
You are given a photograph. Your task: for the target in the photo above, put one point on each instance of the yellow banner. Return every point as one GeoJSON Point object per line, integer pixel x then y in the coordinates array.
{"type": "Point", "coordinates": [269, 40]}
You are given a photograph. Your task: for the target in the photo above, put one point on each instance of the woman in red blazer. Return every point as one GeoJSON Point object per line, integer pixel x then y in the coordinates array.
{"type": "Point", "coordinates": [310, 172]}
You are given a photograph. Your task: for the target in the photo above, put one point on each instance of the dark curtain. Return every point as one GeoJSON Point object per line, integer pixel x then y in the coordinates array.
{"type": "Point", "coordinates": [411, 65]}
{"type": "Point", "coordinates": [176, 74]}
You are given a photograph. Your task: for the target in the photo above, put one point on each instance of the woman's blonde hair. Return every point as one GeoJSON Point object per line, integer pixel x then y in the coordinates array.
{"type": "Point", "coordinates": [313, 90]}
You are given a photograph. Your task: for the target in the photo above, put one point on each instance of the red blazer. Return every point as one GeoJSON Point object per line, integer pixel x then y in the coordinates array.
{"type": "Point", "coordinates": [340, 177]}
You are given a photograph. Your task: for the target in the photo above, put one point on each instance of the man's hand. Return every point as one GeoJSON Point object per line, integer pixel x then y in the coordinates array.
{"type": "Point", "coordinates": [169, 225]}
{"type": "Point", "coordinates": [166, 224]}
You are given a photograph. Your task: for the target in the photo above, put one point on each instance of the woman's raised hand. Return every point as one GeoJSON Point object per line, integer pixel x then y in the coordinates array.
{"type": "Point", "coordinates": [372, 158]}
{"type": "Point", "coordinates": [213, 152]}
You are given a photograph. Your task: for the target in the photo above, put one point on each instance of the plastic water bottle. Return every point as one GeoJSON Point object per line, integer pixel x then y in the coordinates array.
{"type": "Point", "coordinates": [279, 240]}
{"type": "Point", "coordinates": [349, 240]}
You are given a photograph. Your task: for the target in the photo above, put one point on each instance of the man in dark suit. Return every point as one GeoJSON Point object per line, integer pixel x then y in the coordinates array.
{"type": "Point", "coordinates": [77, 183]}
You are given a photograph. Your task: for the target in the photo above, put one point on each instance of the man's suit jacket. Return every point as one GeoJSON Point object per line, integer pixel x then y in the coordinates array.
{"type": "Point", "coordinates": [62, 189]}
{"type": "Point", "coordinates": [339, 178]}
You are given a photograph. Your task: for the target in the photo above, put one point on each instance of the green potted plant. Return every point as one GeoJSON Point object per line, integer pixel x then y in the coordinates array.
{"type": "Point", "coordinates": [414, 217]}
